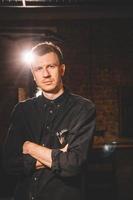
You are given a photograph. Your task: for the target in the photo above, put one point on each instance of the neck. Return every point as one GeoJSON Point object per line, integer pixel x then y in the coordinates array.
{"type": "Point", "coordinates": [52, 96]}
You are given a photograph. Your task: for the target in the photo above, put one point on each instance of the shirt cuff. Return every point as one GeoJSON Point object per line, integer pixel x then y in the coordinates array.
{"type": "Point", "coordinates": [29, 164]}
{"type": "Point", "coordinates": [55, 160]}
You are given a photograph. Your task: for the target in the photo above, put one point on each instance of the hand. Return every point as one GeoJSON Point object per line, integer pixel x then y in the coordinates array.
{"type": "Point", "coordinates": [27, 148]}
{"type": "Point", "coordinates": [39, 165]}
{"type": "Point", "coordinates": [64, 149]}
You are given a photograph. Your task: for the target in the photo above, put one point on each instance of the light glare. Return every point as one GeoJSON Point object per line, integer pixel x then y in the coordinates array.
{"type": "Point", "coordinates": [27, 57]}
{"type": "Point", "coordinates": [38, 93]}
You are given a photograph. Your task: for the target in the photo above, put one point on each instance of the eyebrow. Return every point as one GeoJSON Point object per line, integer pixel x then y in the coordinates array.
{"type": "Point", "coordinates": [55, 64]}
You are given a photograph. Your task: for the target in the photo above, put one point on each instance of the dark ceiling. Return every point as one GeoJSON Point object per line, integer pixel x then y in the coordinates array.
{"type": "Point", "coordinates": [36, 3]}
{"type": "Point", "coordinates": [28, 12]}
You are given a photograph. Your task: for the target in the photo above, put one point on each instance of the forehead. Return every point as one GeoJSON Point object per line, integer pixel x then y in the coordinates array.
{"type": "Point", "coordinates": [48, 58]}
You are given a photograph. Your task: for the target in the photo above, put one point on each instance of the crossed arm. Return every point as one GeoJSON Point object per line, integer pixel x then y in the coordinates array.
{"type": "Point", "coordinates": [63, 161]}
{"type": "Point", "coordinates": [40, 153]}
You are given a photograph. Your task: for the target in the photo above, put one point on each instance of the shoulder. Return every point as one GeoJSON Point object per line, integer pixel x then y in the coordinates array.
{"type": "Point", "coordinates": [83, 108]}
{"type": "Point", "coordinates": [27, 104]}
{"type": "Point", "coordinates": [82, 101]}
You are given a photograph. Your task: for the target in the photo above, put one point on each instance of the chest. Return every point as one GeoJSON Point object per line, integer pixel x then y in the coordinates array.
{"type": "Point", "coordinates": [51, 125]}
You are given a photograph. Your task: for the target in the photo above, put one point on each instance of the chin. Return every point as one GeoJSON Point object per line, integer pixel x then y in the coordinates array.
{"type": "Point", "coordinates": [49, 89]}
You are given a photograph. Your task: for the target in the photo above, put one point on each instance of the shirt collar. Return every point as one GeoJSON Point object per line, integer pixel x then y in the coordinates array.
{"type": "Point", "coordinates": [58, 101]}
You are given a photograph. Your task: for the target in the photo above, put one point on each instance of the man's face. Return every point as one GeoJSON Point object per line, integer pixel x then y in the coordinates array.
{"type": "Point", "coordinates": [47, 72]}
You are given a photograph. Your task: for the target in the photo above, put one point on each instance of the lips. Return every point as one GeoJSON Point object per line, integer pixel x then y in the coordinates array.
{"type": "Point", "coordinates": [47, 82]}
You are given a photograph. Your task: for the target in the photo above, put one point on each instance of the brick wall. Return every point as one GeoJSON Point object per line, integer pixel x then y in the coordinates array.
{"type": "Point", "coordinates": [111, 69]}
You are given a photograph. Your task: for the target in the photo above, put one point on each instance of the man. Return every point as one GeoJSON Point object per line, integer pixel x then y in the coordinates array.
{"type": "Point", "coordinates": [50, 135]}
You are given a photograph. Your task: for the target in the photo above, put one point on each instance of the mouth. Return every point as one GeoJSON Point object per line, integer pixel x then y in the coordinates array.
{"type": "Point", "coordinates": [47, 82]}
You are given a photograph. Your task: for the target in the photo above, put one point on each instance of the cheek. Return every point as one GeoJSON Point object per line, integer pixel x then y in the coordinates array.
{"type": "Point", "coordinates": [55, 74]}
{"type": "Point", "coordinates": [36, 77]}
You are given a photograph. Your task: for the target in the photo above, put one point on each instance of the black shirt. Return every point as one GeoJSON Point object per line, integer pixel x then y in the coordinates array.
{"type": "Point", "coordinates": [69, 119]}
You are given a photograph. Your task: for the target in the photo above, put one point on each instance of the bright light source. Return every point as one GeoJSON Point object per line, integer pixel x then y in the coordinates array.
{"type": "Point", "coordinates": [109, 148]}
{"type": "Point", "coordinates": [27, 57]}
{"type": "Point", "coordinates": [106, 147]}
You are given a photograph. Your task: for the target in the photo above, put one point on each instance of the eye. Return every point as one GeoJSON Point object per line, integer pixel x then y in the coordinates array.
{"type": "Point", "coordinates": [51, 66]}
{"type": "Point", "coordinates": [38, 68]}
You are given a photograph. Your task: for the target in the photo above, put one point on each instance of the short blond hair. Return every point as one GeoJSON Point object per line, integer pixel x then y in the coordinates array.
{"type": "Point", "coordinates": [47, 47]}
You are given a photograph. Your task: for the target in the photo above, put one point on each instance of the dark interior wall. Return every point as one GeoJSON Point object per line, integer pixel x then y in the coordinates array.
{"type": "Point", "coordinates": [77, 55]}
{"type": "Point", "coordinates": [111, 70]}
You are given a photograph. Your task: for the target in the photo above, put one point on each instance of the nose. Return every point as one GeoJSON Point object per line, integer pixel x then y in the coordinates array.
{"type": "Point", "coordinates": [46, 72]}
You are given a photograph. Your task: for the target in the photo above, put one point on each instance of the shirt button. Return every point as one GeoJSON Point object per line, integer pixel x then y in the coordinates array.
{"type": "Point", "coordinates": [47, 127]}
{"type": "Point", "coordinates": [51, 111]}
{"type": "Point", "coordinates": [58, 105]}
{"type": "Point", "coordinates": [35, 178]}
{"type": "Point", "coordinates": [32, 198]}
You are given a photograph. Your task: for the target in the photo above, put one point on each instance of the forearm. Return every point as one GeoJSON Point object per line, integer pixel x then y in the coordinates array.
{"type": "Point", "coordinates": [40, 153]}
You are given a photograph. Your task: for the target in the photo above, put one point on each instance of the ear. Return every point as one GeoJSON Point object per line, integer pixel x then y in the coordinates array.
{"type": "Point", "coordinates": [62, 69]}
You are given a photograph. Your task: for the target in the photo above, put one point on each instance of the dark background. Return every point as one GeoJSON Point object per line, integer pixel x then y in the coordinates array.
{"type": "Point", "coordinates": [97, 41]}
